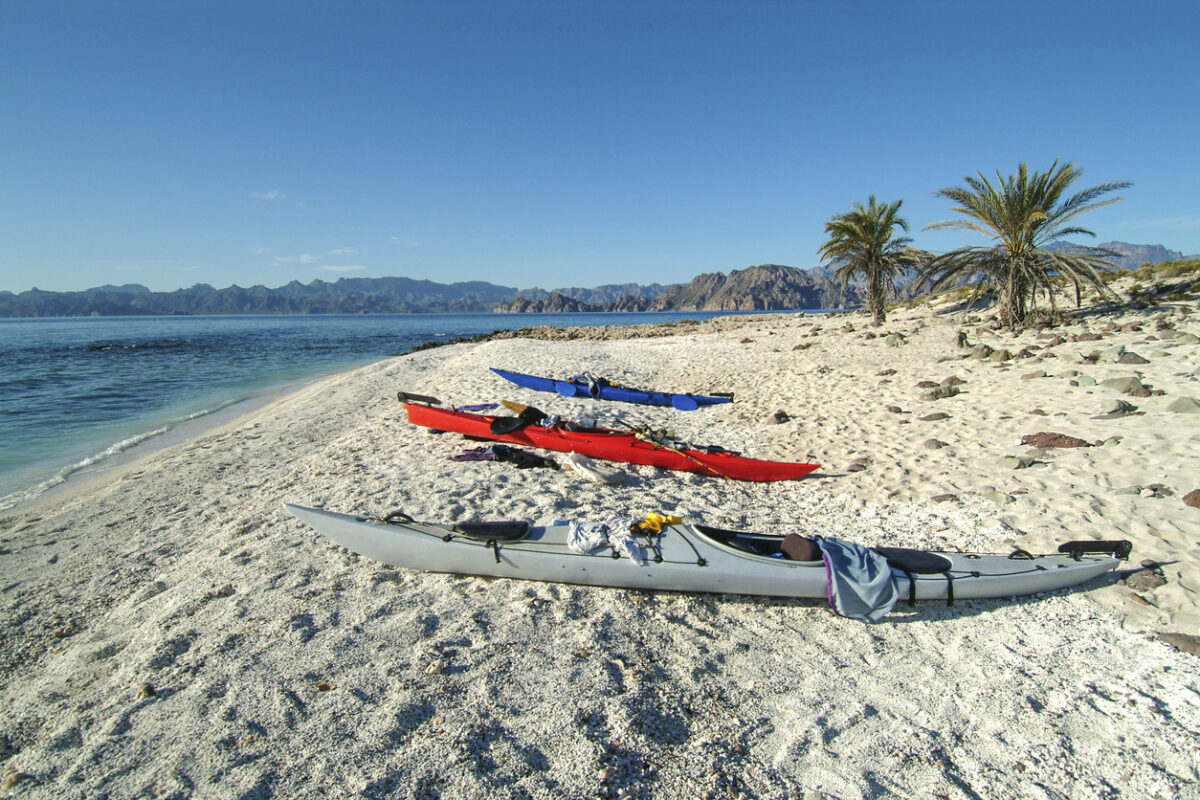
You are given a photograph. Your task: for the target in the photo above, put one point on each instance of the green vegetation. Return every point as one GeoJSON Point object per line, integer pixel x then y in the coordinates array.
{"type": "Point", "coordinates": [1022, 214]}
{"type": "Point", "coordinates": [1169, 269]}
{"type": "Point", "coordinates": [1178, 281]}
{"type": "Point", "coordinates": [864, 240]}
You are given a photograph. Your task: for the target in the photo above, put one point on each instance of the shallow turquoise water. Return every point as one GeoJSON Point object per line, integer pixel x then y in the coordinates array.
{"type": "Point", "coordinates": [77, 391]}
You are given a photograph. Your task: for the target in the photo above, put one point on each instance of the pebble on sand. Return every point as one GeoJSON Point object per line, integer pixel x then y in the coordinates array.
{"type": "Point", "coordinates": [941, 393]}
{"type": "Point", "coordinates": [1015, 462]}
{"type": "Point", "coordinates": [12, 779]}
{"type": "Point", "coordinates": [1116, 408]}
{"type": "Point", "coordinates": [1047, 439]}
{"type": "Point", "coordinates": [1185, 405]}
{"type": "Point", "coordinates": [1126, 384]}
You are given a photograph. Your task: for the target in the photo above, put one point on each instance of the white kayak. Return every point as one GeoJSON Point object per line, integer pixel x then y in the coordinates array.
{"type": "Point", "coordinates": [694, 558]}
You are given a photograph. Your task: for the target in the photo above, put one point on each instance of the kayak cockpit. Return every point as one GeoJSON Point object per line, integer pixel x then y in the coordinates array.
{"type": "Point", "coordinates": [792, 547]}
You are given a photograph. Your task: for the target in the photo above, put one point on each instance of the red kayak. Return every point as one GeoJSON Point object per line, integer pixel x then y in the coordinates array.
{"type": "Point", "coordinates": [612, 445]}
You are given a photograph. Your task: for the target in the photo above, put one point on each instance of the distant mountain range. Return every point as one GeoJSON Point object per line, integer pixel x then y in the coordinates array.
{"type": "Point", "coordinates": [769, 287]}
{"type": "Point", "coordinates": [1132, 255]}
{"type": "Point", "coordinates": [345, 296]}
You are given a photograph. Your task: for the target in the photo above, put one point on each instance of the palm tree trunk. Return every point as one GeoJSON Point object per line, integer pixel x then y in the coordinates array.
{"type": "Point", "coordinates": [875, 297]}
{"type": "Point", "coordinates": [1010, 296]}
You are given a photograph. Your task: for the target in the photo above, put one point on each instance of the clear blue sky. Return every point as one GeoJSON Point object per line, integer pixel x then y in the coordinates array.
{"type": "Point", "coordinates": [559, 143]}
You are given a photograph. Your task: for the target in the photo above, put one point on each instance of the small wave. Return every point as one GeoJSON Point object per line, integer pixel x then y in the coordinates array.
{"type": "Point", "coordinates": [63, 474]}
{"type": "Point", "coordinates": [99, 346]}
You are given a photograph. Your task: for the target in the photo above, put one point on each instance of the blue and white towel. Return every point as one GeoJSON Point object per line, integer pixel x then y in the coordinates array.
{"type": "Point", "coordinates": [861, 583]}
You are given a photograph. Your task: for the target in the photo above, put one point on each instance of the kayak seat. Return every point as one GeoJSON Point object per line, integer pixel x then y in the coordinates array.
{"type": "Point", "coordinates": [504, 531]}
{"type": "Point", "coordinates": [800, 548]}
{"type": "Point", "coordinates": [918, 562]}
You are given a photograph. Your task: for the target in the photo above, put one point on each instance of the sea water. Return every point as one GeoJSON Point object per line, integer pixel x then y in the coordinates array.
{"type": "Point", "coordinates": [76, 393]}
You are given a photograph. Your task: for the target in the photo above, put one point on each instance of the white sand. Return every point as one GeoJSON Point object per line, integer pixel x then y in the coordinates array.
{"type": "Point", "coordinates": [170, 632]}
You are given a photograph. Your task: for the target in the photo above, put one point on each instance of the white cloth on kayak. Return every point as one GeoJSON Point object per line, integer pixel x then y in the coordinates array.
{"type": "Point", "coordinates": [861, 583]}
{"type": "Point", "coordinates": [587, 537]}
{"type": "Point", "coordinates": [626, 544]}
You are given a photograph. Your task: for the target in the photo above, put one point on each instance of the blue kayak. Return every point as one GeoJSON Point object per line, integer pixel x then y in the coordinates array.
{"type": "Point", "coordinates": [602, 389]}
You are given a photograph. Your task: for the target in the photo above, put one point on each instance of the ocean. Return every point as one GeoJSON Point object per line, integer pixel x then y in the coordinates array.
{"type": "Point", "coordinates": [77, 393]}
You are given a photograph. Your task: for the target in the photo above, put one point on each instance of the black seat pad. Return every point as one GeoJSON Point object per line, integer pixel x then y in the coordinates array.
{"type": "Point", "coordinates": [918, 562]}
{"type": "Point", "coordinates": [505, 531]}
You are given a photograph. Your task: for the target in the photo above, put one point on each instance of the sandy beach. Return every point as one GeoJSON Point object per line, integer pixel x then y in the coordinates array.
{"type": "Point", "coordinates": [169, 631]}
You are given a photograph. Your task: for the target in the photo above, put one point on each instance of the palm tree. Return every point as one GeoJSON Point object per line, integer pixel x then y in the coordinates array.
{"type": "Point", "coordinates": [1022, 214]}
{"type": "Point", "coordinates": [864, 241]}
